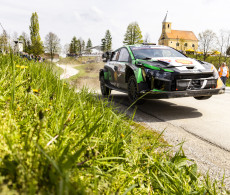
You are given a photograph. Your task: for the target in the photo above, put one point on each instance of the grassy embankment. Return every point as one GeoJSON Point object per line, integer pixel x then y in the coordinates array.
{"type": "Point", "coordinates": [56, 141]}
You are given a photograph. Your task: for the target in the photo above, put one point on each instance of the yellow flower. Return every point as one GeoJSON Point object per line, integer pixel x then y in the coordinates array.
{"type": "Point", "coordinates": [69, 112]}
{"type": "Point", "coordinates": [50, 103]}
{"type": "Point", "coordinates": [35, 90]}
{"type": "Point", "coordinates": [122, 135]}
{"type": "Point", "coordinates": [18, 108]}
{"type": "Point", "coordinates": [23, 67]}
{"type": "Point", "coordinates": [47, 109]}
{"type": "Point", "coordinates": [18, 66]}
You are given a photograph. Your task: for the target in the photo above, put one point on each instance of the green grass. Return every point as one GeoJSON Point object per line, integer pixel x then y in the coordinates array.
{"type": "Point", "coordinates": [56, 141]}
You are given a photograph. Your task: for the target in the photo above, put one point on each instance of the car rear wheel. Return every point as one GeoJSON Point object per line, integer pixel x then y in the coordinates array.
{"type": "Point", "coordinates": [202, 97]}
{"type": "Point", "coordinates": [105, 91]}
{"type": "Point", "coordinates": [133, 93]}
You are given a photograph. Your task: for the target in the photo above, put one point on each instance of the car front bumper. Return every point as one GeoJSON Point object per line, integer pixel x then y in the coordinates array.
{"type": "Point", "coordinates": [157, 94]}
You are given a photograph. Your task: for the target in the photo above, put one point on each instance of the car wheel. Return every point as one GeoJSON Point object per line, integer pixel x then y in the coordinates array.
{"type": "Point", "coordinates": [105, 91]}
{"type": "Point", "coordinates": [133, 93]}
{"type": "Point", "coordinates": [202, 97]}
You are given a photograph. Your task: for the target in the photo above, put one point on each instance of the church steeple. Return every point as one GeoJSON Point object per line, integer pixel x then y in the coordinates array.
{"type": "Point", "coordinates": [166, 24]}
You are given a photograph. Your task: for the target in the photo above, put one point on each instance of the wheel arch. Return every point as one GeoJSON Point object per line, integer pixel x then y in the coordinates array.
{"type": "Point", "coordinates": [128, 72]}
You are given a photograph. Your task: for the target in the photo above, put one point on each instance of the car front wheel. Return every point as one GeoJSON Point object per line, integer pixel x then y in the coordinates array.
{"type": "Point", "coordinates": [133, 93]}
{"type": "Point", "coordinates": [105, 91]}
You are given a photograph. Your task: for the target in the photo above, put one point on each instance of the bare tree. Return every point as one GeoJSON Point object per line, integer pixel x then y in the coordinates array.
{"type": "Point", "coordinates": [221, 42]}
{"type": "Point", "coordinates": [66, 49]}
{"type": "Point", "coordinates": [4, 39]}
{"type": "Point", "coordinates": [52, 44]}
{"type": "Point", "coordinates": [147, 38]}
{"type": "Point", "coordinates": [206, 42]}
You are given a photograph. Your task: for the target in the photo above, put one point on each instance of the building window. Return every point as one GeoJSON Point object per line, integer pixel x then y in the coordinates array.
{"type": "Point", "coordinates": [168, 25]}
{"type": "Point", "coordinates": [193, 45]}
{"type": "Point", "coordinates": [186, 44]}
{"type": "Point", "coordinates": [177, 44]}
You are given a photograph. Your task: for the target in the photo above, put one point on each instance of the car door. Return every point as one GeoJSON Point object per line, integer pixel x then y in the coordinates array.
{"type": "Point", "coordinates": [123, 60]}
{"type": "Point", "coordinates": [112, 68]}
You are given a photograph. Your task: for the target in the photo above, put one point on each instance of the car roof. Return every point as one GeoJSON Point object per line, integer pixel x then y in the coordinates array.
{"type": "Point", "coordinates": [148, 45]}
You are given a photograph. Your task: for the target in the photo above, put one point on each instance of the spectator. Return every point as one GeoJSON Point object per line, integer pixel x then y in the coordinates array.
{"type": "Point", "coordinates": [223, 72]}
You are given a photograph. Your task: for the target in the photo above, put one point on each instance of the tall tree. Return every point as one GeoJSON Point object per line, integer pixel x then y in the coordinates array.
{"type": "Point", "coordinates": [36, 43]}
{"type": "Point", "coordinates": [133, 34]}
{"type": "Point", "coordinates": [108, 39]}
{"type": "Point", "coordinates": [52, 44]}
{"type": "Point", "coordinates": [73, 45]}
{"type": "Point", "coordinates": [89, 45]}
{"type": "Point", "coordinates": [206, 41]}
{"type": "Point", "coordinates": [106, 42]}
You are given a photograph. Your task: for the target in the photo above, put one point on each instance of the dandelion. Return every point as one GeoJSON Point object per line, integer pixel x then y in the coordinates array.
{"type": "Point", "coordinates": [18, 108]}
{"type": "Point", "coordinates": [18, 66]}
{"type": "Point", "coordinates": [122, 135]}
{"type": "Point", "coordinates": [24, 67]}
{"type": "Point", "coordinates": [35, 90]}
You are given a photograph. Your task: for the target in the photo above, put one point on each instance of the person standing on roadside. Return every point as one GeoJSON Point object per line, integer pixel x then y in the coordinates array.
{"type": "Point", "coordinates": [223, 72]}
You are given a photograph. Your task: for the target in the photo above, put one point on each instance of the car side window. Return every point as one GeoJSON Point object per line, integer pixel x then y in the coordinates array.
{"type": "Point", "coordinates": [114, 55]}
{"type": "Point", "coordinates": [124, 55]}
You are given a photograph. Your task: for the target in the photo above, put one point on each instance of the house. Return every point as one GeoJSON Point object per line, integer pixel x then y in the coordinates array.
{"type": "Point", "coordinates": [178, 39]}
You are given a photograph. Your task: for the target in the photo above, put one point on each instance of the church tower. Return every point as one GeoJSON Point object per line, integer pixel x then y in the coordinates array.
{"type": "Point", "coordinates": [166, 25]}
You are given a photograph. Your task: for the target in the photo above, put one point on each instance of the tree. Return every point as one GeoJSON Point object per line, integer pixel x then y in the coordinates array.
{"type": "Point", "coordinates": [147, 38]}
{"type": "Point", "coordinates": [223, 43]}
{"type": "Point", "coordinates": [4, 45]}
{"type": "Point", "coordinates": [108, 39]}
{"type": "Point", "coordinates": [89, 45]}
{"type": "Point", "coordinates": [73, 45]}
{"type": "Point", "coordinates": [206, 41]}
{"type": "Point", "coordinates": [26, 42]}
{"type": "Point", "coordinates": [36, 43]}
{"type": "Point", "coordinates": [106, 42]}
{"type": "Point", "coordinates": [66, 49]}
{"type": "Point", "coordinates": [52, 44]}
{"type": "Point", "coordinates": [133, 34]}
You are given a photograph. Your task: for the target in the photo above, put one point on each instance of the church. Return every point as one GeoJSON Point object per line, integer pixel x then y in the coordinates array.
{"type": "Point", "coordinates": [178, 39]}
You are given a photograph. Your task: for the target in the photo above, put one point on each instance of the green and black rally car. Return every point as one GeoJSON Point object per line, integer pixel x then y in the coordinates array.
{"type": "Point", "coordinates": [156, 71]}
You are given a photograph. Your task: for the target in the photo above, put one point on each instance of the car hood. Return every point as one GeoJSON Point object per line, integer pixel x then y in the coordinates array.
{"type": "Point", "coordinates": [177, 62]}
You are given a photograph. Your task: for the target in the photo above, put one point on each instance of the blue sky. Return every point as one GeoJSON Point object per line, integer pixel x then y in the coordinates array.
{"type": "Point", "coordinates": [91, 18]}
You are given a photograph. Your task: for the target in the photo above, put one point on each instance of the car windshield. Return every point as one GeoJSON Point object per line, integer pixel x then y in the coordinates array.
{"type": "Point", "coordinates": [154, 52]}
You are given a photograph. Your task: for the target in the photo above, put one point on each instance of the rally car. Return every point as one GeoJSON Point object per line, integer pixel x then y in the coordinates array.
{"type": "Point", "coordinates": [156, 71]}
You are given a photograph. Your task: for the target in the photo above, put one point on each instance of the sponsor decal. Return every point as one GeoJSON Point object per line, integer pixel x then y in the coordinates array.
{"type": "Point", "coordinates": [165, 60]}
{"type": "Point", "coordinates": [182, 61]}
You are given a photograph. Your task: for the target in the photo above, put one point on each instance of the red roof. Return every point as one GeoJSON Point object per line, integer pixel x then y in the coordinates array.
{"type": "Point", "coordinates": [179, 34]}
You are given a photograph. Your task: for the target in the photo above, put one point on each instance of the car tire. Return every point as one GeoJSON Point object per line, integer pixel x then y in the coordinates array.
{"type": "Point", "coordinates": [202, 97]}
{"type": "Point", "coordinates": [105, 91]}
{"type": "Point", "coordinates": [133, 92]}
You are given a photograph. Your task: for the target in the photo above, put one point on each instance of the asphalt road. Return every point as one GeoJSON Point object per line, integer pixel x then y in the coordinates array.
{"type": "Point", "coordinates": [208, 120]}
{"type": "Point", "coordinates": [203, 126]}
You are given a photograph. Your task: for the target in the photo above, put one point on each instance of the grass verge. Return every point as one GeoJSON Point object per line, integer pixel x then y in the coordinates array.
{"type": "Point", "coordinates": [56, 141]}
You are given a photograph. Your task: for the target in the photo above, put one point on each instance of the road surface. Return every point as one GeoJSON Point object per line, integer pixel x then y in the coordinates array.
{"type": "Point", "coordinates": [204, 126]}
